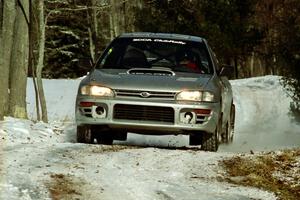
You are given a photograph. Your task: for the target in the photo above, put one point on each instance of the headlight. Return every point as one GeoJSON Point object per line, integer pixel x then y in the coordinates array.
{"type": "Point", "coordinates": [195, 96]}
{"type": "Point", "coordinates": [189, 96]}
{"type": "Point", "coordinates": [96, 91]}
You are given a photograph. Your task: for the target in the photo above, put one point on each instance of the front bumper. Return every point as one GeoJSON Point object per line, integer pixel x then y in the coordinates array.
{"type": "Point", "coordinates": [87, 114]}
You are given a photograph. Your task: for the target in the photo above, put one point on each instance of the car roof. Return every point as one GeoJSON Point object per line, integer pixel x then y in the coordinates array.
{"type": "Point", "coordinates": [172, 36]}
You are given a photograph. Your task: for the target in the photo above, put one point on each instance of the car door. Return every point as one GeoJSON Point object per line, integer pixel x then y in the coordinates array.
{"type": "Point", "coordinates": [227, 98]}
{"type": "Point", "coordinates": [226, 89]}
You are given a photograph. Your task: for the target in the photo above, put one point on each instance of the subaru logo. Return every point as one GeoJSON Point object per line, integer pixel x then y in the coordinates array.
{"type": "Point", "coordinates": [145, 94]}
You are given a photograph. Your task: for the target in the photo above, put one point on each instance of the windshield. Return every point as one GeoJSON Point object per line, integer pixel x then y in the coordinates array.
{"type": "Point", "coordinates": [178, 56]}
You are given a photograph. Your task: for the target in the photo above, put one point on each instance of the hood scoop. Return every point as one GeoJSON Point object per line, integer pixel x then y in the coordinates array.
{"type": "Point", "coordinates": [159, 71]}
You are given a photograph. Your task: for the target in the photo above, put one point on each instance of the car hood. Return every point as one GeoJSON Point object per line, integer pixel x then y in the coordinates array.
{"type": "Point", "coordinates": [121, 79]}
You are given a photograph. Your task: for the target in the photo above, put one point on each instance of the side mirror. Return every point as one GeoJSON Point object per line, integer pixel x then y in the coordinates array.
{"type": "Point", "coordinates": [227, 71]}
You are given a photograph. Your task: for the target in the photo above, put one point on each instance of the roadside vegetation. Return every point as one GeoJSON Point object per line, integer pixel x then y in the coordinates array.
{"type": "Point", "coordinates": [277, 172]}
{"type": "Point", "coordinates": [63, 187]}
{"type": "Point", "coordinates": [110, 149]}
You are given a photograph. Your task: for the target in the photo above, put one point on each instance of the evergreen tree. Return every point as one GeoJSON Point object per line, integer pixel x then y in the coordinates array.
{"type": "Point", "coordinates": [67, 39]}
{"type": "Point", "coordinates": [289, 51]}
{"type": "Point", "coordinates": [226, 24]}
{"type": "Point", "coordinates": [176, 16]}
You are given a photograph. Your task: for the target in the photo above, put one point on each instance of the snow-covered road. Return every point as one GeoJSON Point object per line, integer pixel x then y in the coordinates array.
{"type": "Point", "coordinates": [263, 116]}
{"type": "Point", "coordinates": [41, 161]}
{"type": "Point", "coordinates": [118, 172]}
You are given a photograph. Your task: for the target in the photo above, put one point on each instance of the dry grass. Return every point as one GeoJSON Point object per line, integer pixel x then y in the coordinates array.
{"type": "Point", "coordinates": [111, 148]}
{"type": "Point", "coordinates": [277, 172]}
{"type": "Point", "coordinates": [63, 187]}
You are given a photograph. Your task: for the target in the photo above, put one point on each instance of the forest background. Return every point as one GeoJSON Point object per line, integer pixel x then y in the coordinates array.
{"type": "Point", "coordinates": [257, 37]}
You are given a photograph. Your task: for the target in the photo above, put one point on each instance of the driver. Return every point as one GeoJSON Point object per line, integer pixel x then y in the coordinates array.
{"type": "Point", "coordinates": [190, 61]}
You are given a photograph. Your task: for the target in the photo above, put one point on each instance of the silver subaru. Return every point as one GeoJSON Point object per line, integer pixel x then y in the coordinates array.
{"type": "Point", "coordinates": [156, 84]}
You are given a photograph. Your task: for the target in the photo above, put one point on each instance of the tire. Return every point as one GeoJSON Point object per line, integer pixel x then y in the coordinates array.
{"type": "Point", "coordinates": [210, 141]}
{"type": "Point", "coordinates": [84, 134]}
{"type": "Point", "coordinates": [232, 121]}
{"type": "Point", "coordinates": [228, 138]}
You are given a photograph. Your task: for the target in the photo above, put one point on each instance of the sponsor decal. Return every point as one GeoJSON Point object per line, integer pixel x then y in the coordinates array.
{"type": "Point", "coordinates": [158, 40]}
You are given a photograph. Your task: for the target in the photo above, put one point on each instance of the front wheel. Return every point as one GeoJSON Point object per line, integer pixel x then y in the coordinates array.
{"type": "Point", "coordinates": [210, 142]}
{"type": "Point", "coordinates": [84, 134]}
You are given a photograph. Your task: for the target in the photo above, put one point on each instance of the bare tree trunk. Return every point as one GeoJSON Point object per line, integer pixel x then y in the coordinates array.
{"type": "Point", "coordinates": [111, 25]}
{"type": "Point", "coordinates": [252, 64]}
{"type": "Point", "coordinates": [114, 24]}
{"type": "Point", "coordinates": [92, 45]}
{"type": "Point", "coordinates": [93, 28]}
{"type": "Point", "coordinates": [116, 14]}
{"type": "Point", "coordinates": [236, 67]}
{"type": "Point", "coordinates": [13, 58]}
{"type": "Point", "coordinates": [40, 63]}
{"type": "Point", "coordinates": [94, 18]}
{"type": "Point", "coordinates": [1, 17]}
{"type": "Point", "coordinates": [37, 99]}
{"type": "Point", "coordinates": [32, 60]}
{"type": "Point", "coordinates": [121, 17]}
{"type": "Point", "coordinates": [19, 62]}
{"type": "Point", "coordinates": [6, 41]}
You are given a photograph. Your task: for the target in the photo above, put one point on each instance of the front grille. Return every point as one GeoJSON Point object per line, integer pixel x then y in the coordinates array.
{"type": "Point", "coordinates": [145, 94]}
{"type": "Point", "coordinates": [144, 113]}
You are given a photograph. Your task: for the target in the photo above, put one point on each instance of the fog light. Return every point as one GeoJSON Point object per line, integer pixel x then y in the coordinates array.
{"type": "Point", "coordinates": [98, 112]}
{"type": "Point", "coordinates": [188, 117]}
